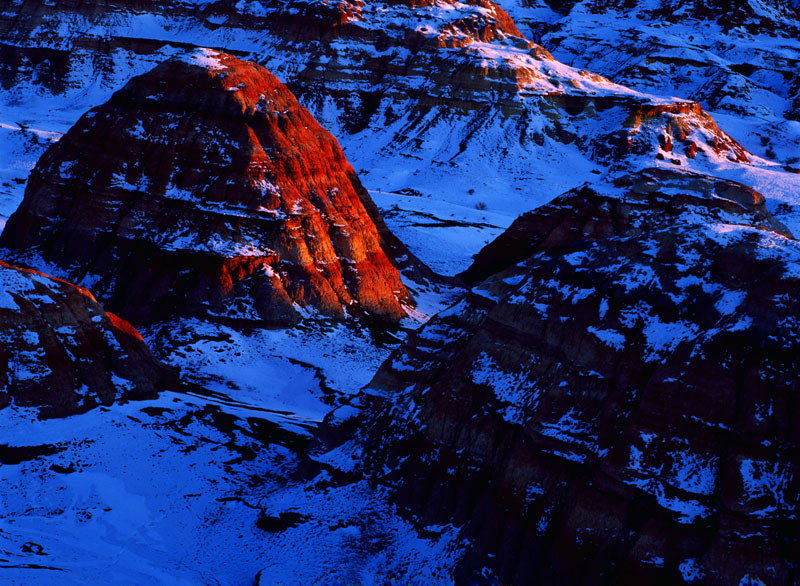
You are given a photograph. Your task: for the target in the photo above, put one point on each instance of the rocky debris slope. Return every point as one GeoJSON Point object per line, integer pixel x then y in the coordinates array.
{"type": "Point", "coordinates": [203, 187]}
{"type": "Point", "coordinates": [615, 402]}
{"type": "Point", "coordinates": [446, 98]}
{"type": "Point", "coordinates": [60, 351]}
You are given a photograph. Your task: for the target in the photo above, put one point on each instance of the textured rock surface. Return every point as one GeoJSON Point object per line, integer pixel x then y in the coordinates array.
{"type": "Point", "coordinates": [738, 59]}
{"type": "Point", "coordinates": [204, 187]}
{"type": "Point", "coordinates": [584, 215]}
{"type": "Point", "coordinates": [422, 94]}
{"type": "Point", "coordinates": [59, 350]}
{"type": "Point", "coordinates": [618, 407]}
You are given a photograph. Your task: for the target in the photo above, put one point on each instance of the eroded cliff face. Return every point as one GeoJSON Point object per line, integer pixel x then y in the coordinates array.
{"type": "Point", "coordinates": [434, 97]}
{"type": "Point", "coordinates": [203, 187]}
{"type": "Point", "coordinates": [61, 352]}
{"type": "Point", "coordinates": [615, 401]}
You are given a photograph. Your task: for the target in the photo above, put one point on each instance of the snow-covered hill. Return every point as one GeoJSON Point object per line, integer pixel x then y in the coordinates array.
{"type": "Point", "coordinates": [612, 402]}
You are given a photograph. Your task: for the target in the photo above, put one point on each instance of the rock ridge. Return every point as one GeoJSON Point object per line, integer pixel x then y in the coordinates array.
{"type": "Point", "coordinates": [614, 408]}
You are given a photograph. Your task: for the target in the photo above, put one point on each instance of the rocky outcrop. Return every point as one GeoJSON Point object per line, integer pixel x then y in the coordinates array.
{"type": "Point", "coordinates": [442, 98]}
{"type": "Point", "coordinates": [584, 215]}
{"type": "Point", "coordinates": [615, 402]}
{"type": "Point", "coordinates": [726, 12]}
{"type": "Point", "coordinates": [203, 187]}
{"type": "Point", "coordinates": [733, 57]}
{"type": "Point", "coordinates": [61, 352]}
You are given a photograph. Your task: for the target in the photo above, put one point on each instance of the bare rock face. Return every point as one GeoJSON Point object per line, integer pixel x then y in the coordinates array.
{"type": "Point", "coordinates": [615, 402]}
{"type": "Point", "coordinates": [204, 187]}
{"type": "Point", "coordinates": [432, 96]}
{"type": "Point", "coordinates": [60, 351]}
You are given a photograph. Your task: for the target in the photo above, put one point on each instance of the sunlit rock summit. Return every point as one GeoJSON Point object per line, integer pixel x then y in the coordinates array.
{"type": "Point", "coordinates": [448, 99]}
{"type": "Point", "coordinates": [736, 58]}
{"type": "Point", "coordinates": [203, 187]}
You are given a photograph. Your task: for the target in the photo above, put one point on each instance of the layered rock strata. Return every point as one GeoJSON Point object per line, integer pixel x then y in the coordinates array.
{"type": "Point", "coordinates": [203, 187]}
{"type": "Point", "coordinates": [615, 402]}
{"type": "Point", "coordinates": [434, 96]}
{"type": "Point", "coordinates": [735, 58]}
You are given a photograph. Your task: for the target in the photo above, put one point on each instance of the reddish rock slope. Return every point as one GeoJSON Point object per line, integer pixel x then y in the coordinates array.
{"type": "Point", "coordinates": [59, 350]}
{"type": "Point", "coordinates": [204, 187]}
